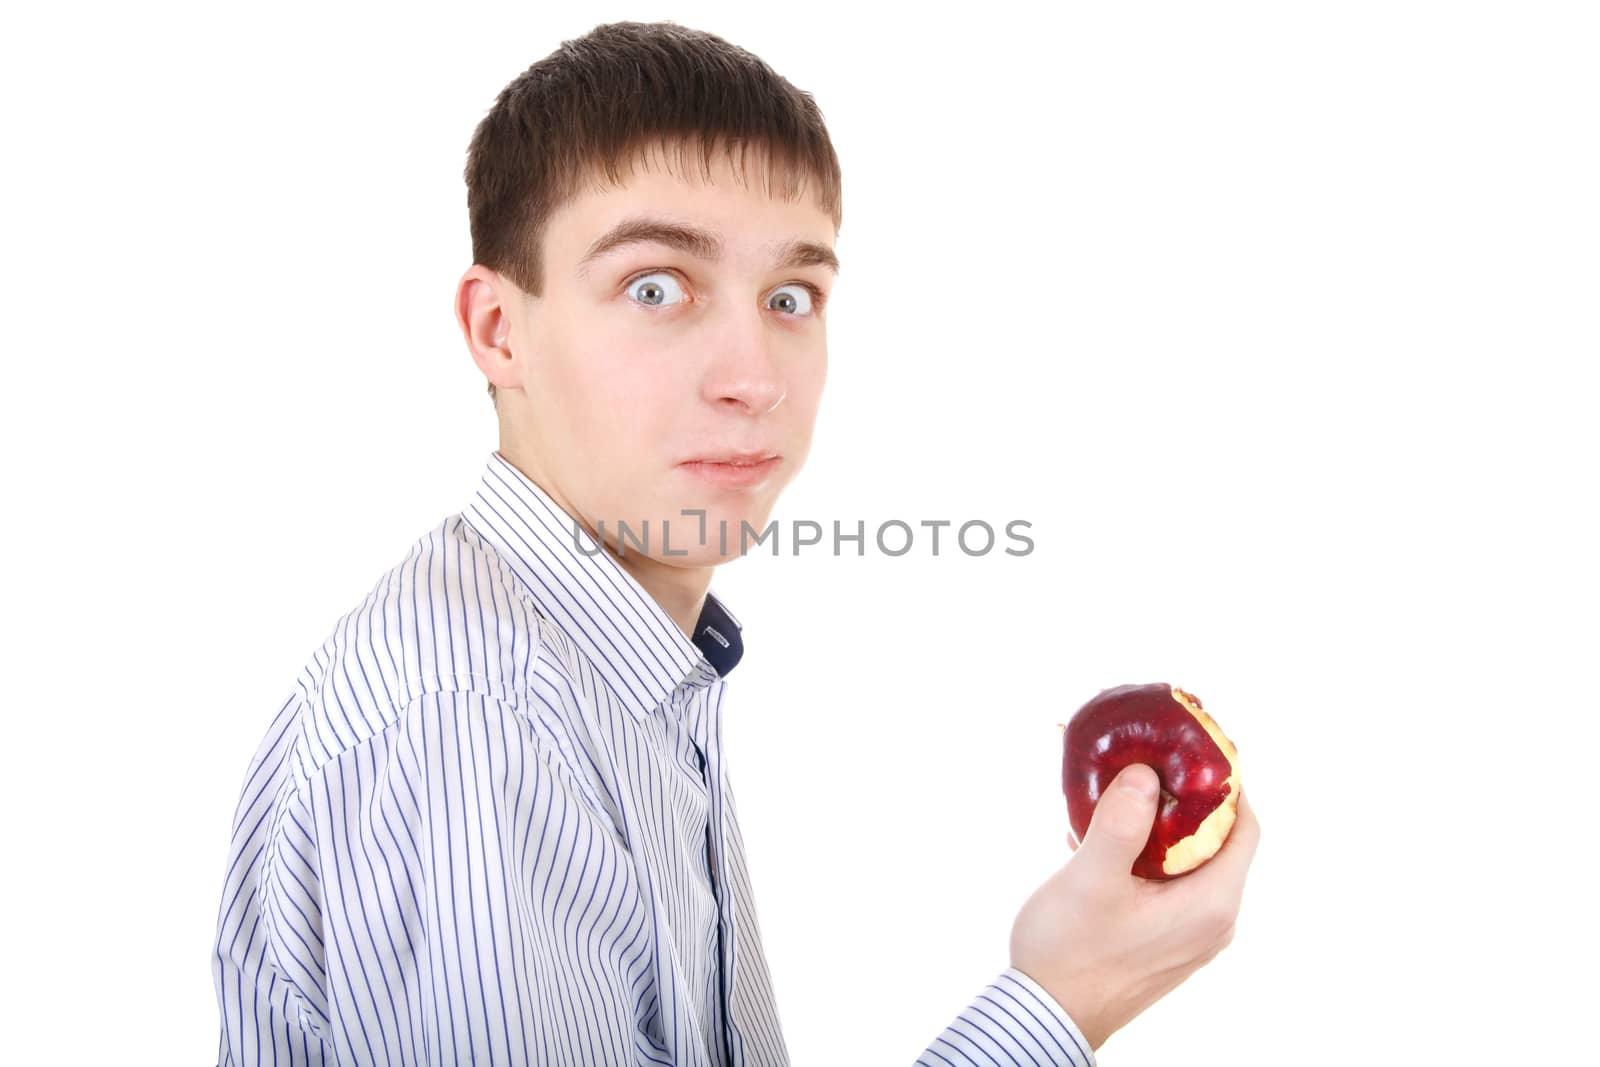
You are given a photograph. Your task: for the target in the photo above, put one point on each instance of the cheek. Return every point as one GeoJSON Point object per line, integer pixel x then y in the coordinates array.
{"type": "Point", "coordinates": [604, 376]}
{"type": "Point", "coordinates": [636, 389]}
{"type": "Point", "coordinates": [805, 389]}
{"type": "Point", "coordinates": [627, 405]}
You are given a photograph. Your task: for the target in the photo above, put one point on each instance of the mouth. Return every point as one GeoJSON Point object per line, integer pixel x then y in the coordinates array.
{"type": "Point", "coordinates": [733, 470]}
{"type": "Point", "coordinates": [737, 459]}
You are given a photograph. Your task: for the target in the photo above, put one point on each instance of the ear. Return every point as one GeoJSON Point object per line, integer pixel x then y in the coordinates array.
{"type": "Point", "coordinates": [486, 303]}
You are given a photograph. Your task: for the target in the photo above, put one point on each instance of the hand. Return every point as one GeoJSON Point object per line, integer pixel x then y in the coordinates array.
{"type": "Point", "coordinates": [1106, 943]}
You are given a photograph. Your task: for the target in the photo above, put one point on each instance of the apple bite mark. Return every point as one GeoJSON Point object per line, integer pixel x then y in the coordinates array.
{"type": "Point", "coordinates": [1202, 843]}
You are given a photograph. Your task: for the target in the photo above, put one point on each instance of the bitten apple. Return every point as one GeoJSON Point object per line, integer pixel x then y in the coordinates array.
{"type": "Point", "coordinates": [1165, 727]}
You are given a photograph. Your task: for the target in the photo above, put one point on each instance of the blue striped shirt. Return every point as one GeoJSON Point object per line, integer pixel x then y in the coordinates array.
{"type": "Point", "coordinates": [491, 823]}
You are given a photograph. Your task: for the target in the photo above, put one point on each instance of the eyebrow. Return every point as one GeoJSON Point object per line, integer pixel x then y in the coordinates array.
{"type": "Point", "coordinates": [702, 244]}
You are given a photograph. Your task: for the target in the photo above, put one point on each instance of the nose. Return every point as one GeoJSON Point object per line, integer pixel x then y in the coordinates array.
{"type": "Point", "coordinates": [746, 371]}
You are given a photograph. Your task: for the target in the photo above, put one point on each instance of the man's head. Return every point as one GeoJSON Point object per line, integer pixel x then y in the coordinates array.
{"type": "Point", "coordinates": [653, 213]}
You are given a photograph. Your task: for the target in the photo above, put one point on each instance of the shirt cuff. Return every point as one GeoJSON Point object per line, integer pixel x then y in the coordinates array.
{"type": "Point", "coordinates": [1013, 1022]}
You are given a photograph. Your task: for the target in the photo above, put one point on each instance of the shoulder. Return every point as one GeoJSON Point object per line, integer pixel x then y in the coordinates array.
{"type": "Point", "coordinates": [449, 618]}
{"type": "Point", "coordinates": [446, 653]}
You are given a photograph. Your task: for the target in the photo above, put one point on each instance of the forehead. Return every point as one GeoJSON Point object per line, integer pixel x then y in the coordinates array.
{"type": "Point", "coordinates": [749, 206]}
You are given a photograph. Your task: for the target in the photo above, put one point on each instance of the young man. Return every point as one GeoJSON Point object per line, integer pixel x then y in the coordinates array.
{"type": "Point", "coordinates": [492, 822]}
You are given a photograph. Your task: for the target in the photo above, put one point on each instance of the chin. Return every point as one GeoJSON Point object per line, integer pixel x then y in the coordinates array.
{"type": "Point", "coordinates": [727, 530]}
{"type": "Point", "coordinates": [705, 526]}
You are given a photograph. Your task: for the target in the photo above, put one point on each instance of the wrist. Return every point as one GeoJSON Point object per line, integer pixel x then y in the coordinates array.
{"type": "Point", "coordinates": [1076, 1007]}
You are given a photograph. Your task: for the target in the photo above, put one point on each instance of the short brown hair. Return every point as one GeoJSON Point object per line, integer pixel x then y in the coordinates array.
{"type": "Point", "coordinates": [599, 100]}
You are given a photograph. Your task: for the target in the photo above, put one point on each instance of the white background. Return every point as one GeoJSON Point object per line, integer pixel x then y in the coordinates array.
{"type": "Point", "coordinates": [1277, 321]}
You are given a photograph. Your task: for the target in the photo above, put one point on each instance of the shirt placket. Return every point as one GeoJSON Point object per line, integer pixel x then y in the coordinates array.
{"type": "Point", "coordinates": [702, 730]}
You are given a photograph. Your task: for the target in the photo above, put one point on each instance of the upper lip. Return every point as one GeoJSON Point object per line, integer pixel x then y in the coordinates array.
{"type": "Point", "coordinates": [735, 457]}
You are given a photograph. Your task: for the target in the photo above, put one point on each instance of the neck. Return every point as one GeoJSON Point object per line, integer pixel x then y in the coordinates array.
{"type": "Point", "coordinates": [680, 591]}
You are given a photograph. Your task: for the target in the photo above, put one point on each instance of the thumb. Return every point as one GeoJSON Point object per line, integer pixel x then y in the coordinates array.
{"type": "Point", "coordinates": [1121, 823]}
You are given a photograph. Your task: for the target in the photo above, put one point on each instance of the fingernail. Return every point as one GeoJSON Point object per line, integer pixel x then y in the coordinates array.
{"type": "Point", "coordinates": [1143, 781]}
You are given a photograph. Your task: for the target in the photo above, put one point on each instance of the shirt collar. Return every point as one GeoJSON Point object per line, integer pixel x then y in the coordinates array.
{"type": "Point", "coordinates": [632, 642]}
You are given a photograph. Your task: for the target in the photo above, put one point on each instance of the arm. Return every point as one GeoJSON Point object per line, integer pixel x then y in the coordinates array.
{"type": "Point", "coordinates": [1012, 1022]}
{"type": "Point", "coordinates": [464, 906]}
{"type": "Point", "coordinates": [270, 925]}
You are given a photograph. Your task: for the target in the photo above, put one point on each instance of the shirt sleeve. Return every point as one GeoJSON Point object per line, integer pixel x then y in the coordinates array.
{"type": "Point", "coordinates": [1013, 1022]}
{"type": "Point", "coordinates": [435, 893]}
{"type": "Point", "coordinates": [268, 964]}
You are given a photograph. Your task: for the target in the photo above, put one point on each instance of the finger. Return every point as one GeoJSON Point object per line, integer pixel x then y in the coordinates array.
{"type": "Point", "coordinates": [1121, 823]}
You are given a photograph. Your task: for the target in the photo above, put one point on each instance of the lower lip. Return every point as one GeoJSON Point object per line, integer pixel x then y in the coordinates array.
{"type": "Point", "coordinates": [733, 475]}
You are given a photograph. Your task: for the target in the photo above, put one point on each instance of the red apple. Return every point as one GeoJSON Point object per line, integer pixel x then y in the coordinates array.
{"type": "Point", "coordinates": [1165, 727]}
